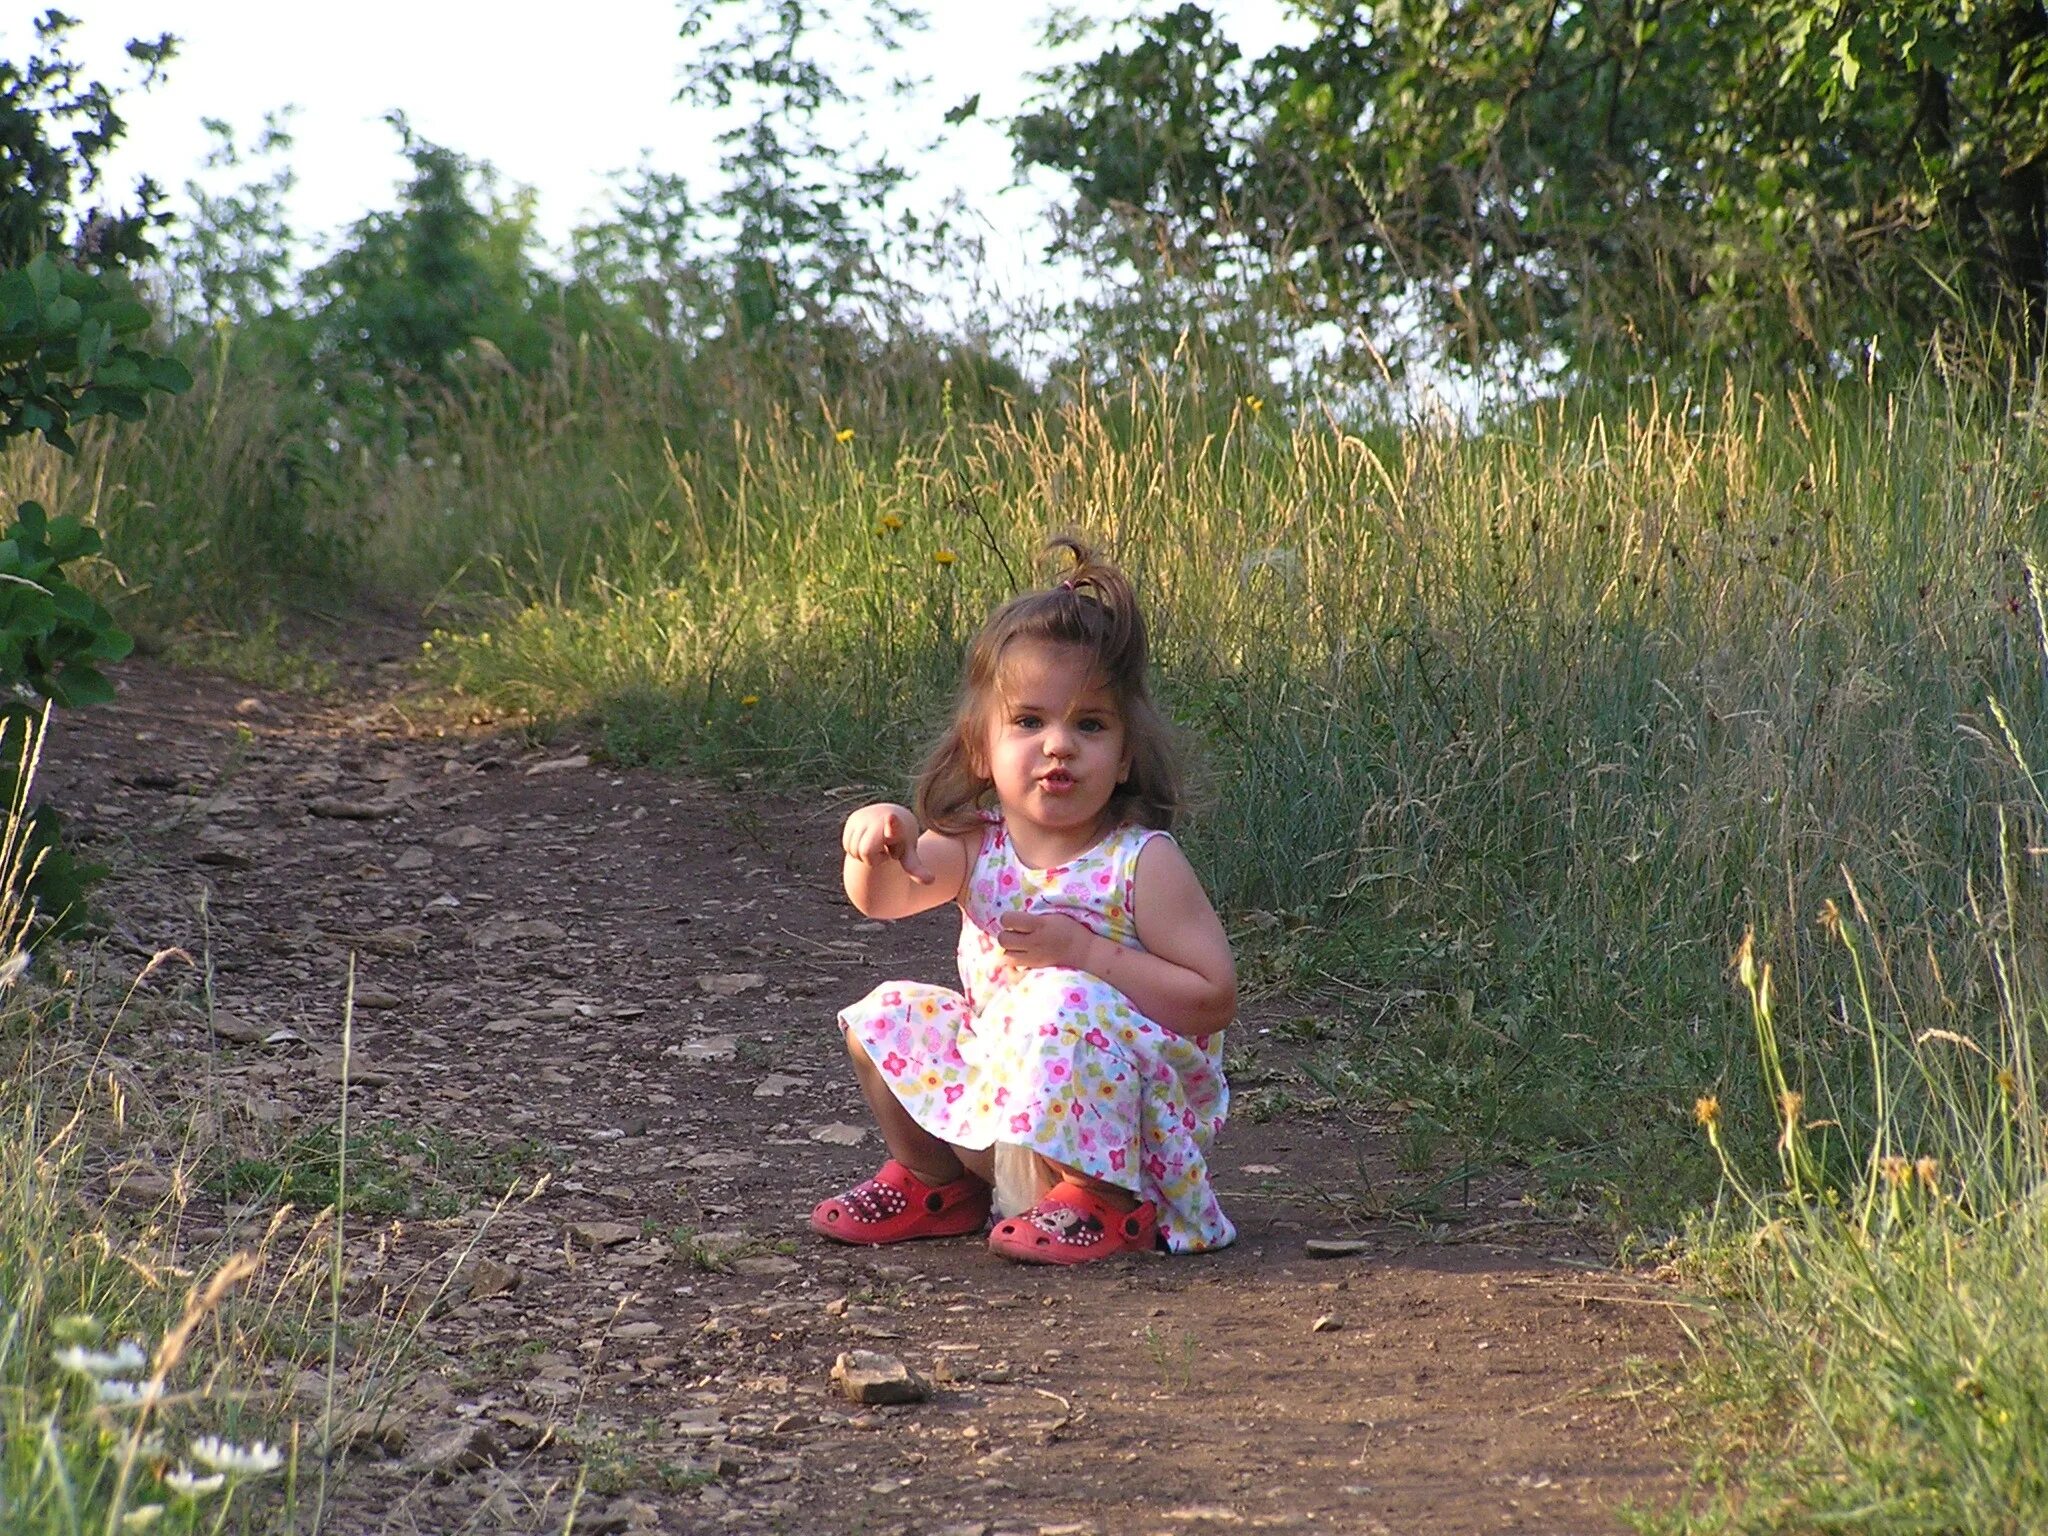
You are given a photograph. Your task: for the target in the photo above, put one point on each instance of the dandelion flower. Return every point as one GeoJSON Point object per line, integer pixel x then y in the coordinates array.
{"type": "Point", "coordinates": [2007, 1083]}
{"type": "Point", "coordinates": [1895, 1171]}
{"type": "Point", "coordinates": [843, 435]}
{"type": "Point", "coordinates": [1254, 404]}
{"type": "Point", "coordinates": [226, 1456]}
{"type": "Point", "coordinates": [1706, 1109]}
{"type": "Point", "coordinates": [943, 557]}
{"type": "Point", "coordinates": [889, 522]}
{"type": "Point", "coordinates": [142, 1517]}
{"type": "Point", "coordinates": [188, 1484]}
{"type": "Point", "coordinates": [124, 1360]}
{"type": "Point", "coordinates": [748, 701]}
{"type": "Point", "coordinates": [1928, 1171]}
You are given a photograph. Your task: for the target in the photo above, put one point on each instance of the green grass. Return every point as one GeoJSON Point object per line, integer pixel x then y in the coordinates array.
{"type": "Point", "coordinates": [393, 1169]}
{"type": "Point", "coordinates": [1513, 735]}
{"type": "Point", "coordinates": [1506, 739]}
{"type": "Point", "coordinates": [1883, 1343]}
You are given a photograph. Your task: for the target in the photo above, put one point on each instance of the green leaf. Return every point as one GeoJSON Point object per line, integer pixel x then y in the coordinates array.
{"type": "Point", "coordinates": [168, 375]}
{"type": "Point", "coordinates": [79, 685]}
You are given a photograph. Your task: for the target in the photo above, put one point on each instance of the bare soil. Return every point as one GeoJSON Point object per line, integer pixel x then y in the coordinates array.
{"type": "Point", "coordinates": [620, 984]}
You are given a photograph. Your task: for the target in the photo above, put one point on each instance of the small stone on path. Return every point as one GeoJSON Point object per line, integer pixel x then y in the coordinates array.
{"type": "Point", "coordinates": [466, 837]}
{"type": "Point", "coordinates": [731, 983]}
{"type": "Point", "coordinates": [600, 1235]}
{"type": "Point", "coordinates": [866, 1377]}
{"type": "Point", "coordinates": [1337, 1247]}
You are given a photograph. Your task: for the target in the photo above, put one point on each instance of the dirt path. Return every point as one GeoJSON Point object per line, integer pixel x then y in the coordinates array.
{"type": "Point", "coordinates": [625, 981]}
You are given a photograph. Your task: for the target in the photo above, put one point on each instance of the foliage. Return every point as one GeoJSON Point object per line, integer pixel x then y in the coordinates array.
{"type": "Point", "coordinates": [1882, 1294]}
{"type": "Point", "coordinates": [230, 260]}
{"type": "Point", "coordinates": [808, 204]}
{"type": "Point", "coordinates": [55, 129]}
{"type": "Point", "coordinates": [1775, 179]}
{"type": "Point", "coordinates": [413, 290]}
{"type": "Point", "coordinates": [65, 352]}
{"type": "Point", "coordinates": [1524, 727]}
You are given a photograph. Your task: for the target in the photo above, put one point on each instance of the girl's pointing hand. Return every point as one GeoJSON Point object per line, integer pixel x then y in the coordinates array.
{"type": "Point", "coordinates": [875, 834]}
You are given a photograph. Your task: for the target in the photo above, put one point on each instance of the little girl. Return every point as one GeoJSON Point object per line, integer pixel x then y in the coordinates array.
{"type": "Point", "coordinates": [1086, 1049]}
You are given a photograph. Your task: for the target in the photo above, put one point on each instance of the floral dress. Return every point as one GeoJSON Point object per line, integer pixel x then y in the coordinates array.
{"type": "Point", "coordinates": [1054, 1059]}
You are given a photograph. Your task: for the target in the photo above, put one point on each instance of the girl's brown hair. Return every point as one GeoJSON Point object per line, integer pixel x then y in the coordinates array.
{"type": "Point", "coordinates": [1094, 608]}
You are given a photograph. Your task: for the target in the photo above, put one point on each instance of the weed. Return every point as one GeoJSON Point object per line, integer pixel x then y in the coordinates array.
{"type": "Point", "coordinates": [1174, 1355]}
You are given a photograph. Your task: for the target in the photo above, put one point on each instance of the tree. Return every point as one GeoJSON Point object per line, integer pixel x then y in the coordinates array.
{"type": "Point", "coordinates": [806, 202]}
{"type": "Point", "coordinates": [1776, 178]}
{"type": "Point", "coordinates": [413, 289]}
{"type": "Point", "coordinates": [55, 129]}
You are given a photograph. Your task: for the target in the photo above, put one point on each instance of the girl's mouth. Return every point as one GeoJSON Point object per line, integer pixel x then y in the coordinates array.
{"type": "Point", "coordinates": [1059, 781]}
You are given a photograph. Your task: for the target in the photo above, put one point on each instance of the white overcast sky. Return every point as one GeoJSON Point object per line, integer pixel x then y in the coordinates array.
{"type": "Point", "coordinates": [557, 97]}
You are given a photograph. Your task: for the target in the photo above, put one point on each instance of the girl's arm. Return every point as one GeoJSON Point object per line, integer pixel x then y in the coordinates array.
{"type": "Point", "coordinates": [1183, 978]}
{"type": "Point", "coordinates": [892, 870]}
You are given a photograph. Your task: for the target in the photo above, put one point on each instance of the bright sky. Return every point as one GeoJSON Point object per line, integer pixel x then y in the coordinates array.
{"type": "Point", "coordinates": [557, 97]}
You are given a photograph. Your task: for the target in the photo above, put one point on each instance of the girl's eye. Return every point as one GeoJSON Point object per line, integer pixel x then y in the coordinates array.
{"type": "Point", "coordinates": [1026, 722]}
{"type": "Point", "coordinates": [1092, 725]}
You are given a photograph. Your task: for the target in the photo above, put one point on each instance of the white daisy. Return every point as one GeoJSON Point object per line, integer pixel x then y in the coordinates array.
{"type": "Point", "coordinates": [184, 1481]}
{"type": "Point", "coordinates": [124, 1360]}
{"type": "Point", "coordinates": [226, 1456]}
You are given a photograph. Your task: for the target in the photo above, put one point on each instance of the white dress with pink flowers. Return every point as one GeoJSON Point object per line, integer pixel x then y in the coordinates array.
{"type": "Point", "coordinates": [1055, 1059]}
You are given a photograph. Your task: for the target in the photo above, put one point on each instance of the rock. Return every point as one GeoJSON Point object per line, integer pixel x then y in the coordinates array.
{"type": "Point", "coordinates": [360, 1074]}
{"type": "Point", "coordinates": [467, 837]}
{"type": "Point", "coordinates": [224, 858]}
{"type": "Point", "coordinates": [731, 983]}
{"type": "Point", "coordinates": [636, 1331]}
{"type": "Point", "coordinates": [1214, 1514]}
{"type": "Point", "coordinates": [866, 1377]}
{"type": "Point", "coordinates": [765, 1266]}
{"type": "Point", "coordinates": [462, 1448]}
{"type": "Point", "coordinates": [413, 858]}
{"type": "Point", "coordinates": [398, 939]}
{"type": "Point", "coordinates": [509, 927]}
{"type": "Point", "coordinates": [232, 1026]}
{"type": "Point", "coordinates": [366, 1429]}
{"type": "Point", "coordinates": [335, 808]}
{"type": "Point", "coordinates": [839, 1134]}
{"type": "Point", "coordinates": [638, 1514]}
{"type": "Point", "coordinates": [488, 1278]}
{"type": "Point", "coordinates": [559, 764]}
{"type": "Point", "coordinates": [1337, 1247]}
{"type": "Point", "coordinates": [776, 1084]}
{"type": "Point", "coordinates": [709, 1048]}
{"type": "Point", "coordinates": [376, 997]}
{"type": "Point", "coordinates": [600, 1235]}
{"type": "Point", "coordinates": [1329, 1322]}
{"type": "Point", "coordinates": [139, 1183]}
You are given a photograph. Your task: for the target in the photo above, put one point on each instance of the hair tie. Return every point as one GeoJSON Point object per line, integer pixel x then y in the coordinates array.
{"type": "Point", "coordinates": [1068, 583]}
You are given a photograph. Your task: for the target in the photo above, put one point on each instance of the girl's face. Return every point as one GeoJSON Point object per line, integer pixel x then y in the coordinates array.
{"type": "Point", "coordinates": [1055, 750]}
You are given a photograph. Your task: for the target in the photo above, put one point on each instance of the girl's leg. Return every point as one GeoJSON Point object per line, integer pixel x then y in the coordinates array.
{"type": "Point", "coordinates": [932, 1160]}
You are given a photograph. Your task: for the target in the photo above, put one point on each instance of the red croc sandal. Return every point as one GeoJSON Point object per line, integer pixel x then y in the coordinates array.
{"type": "Point", "coordinates": [1074, 1225]}
{"type": "Point", "coordinates": [896, 1205]}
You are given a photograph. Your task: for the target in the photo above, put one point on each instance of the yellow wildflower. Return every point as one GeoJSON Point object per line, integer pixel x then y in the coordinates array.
{"type": "Point", "coordinates": [1254, 404]}
{"type": "Point", "coordinates": [1928, 1172]}
{"type": "Point", "coordinates": [843, 435]}
{"type": "Point", "coordinates": [1706, 1109]}
{"type": "Point", "coordinates": [1896, 1171]}
{"type": "Point", "coordinates": [748, 701]}
{"type": "Point", "coordinates": [1790, 1103]}
{"type": "Point", "coordinates": [943, 557]}
{"type": "Point", "coordinates": [889, 522]}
